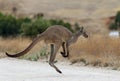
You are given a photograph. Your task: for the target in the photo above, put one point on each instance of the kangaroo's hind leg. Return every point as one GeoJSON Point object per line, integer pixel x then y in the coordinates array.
{"type": "Point", "coordinates": [65, 47]}
{"type": "Point", "coordinates": [54, 49]}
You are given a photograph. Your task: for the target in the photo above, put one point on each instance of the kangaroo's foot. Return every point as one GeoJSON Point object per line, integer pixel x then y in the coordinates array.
{"type": "Point", "coordinates": [64, 54]}
{"type": "Point", "coordinates": [59, 71]}
{"type": "Point", "coordinates": [51, 64]}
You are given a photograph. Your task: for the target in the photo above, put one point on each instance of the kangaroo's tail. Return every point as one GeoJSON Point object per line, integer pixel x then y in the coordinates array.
{"type": "Point", "coordinates": [36, 40]}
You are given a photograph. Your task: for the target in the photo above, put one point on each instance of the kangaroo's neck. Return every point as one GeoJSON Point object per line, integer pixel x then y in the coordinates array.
{"type": "Point", "coordinates": [74, 38]}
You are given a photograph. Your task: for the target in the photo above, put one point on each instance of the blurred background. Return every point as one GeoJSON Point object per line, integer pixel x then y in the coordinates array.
{"type": "Point", "coordinates": [22, 20]}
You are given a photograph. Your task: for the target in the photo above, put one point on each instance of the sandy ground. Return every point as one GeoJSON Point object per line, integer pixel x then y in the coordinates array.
{"type": "Point", "coordinates": [77, 9]}
{"type": "Point", "coordinates": [80, 9]}
{"type": "Point", "coordinates": [22, 70]}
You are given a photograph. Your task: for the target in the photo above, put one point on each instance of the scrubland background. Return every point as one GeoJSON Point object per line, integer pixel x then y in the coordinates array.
{"type": "Point", "coordinates": [98, 50]}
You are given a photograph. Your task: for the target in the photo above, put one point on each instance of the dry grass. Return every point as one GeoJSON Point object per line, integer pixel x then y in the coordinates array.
{"type": "Point", "coordinates": [15, 44]}
{"type": "Point", "coordinates": [97, 50]}
{"type": "Point", "coordinates": [12, 45]}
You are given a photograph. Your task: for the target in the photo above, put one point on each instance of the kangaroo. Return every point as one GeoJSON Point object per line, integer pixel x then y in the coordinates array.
{"type": "Point", "coordinates": [56, 36]}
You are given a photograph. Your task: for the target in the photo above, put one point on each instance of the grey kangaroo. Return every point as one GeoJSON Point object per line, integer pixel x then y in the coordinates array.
{"type": "Point", "coordinates": [56, 36]}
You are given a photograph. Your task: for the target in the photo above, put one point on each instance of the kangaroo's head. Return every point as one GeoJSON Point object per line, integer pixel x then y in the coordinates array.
{"type": "Point", "coordinates": [82, 32]}
{"type": "Point", "coordinates": [75, 37]}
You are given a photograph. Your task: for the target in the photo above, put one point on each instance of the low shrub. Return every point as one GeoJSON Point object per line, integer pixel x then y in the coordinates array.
{"type": "Point", "coordinates": [12, 26]}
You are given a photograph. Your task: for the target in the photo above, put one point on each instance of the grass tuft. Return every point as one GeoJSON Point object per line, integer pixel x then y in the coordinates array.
{"type": "Point", "coordinates": [97, 51]}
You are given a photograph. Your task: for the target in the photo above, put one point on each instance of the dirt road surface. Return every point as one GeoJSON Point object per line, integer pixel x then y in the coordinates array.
{"type": "Point", "coordinates": [23, 70]}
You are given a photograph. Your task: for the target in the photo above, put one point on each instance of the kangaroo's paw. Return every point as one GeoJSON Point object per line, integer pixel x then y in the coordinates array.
{"type": "Point", "coordinates": [63, 54]}
{"type": "Point", "coordinates": [59, 71]}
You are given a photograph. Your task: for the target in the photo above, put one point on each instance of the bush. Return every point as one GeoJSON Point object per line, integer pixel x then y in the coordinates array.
{"type": "Point", "coordinates": [116, 24]}
{"type": "Point", "coordinates": [11, 26]}
{"type": "Point", "coordinates": [35, 27]}
{"type": "Point", "coordinates": [77, 27]}
{"type": "Point", "coordinates": [113, 26]}
{"type": "Point", "coordinates": [8, 26]}
{"type": "Point", "coordinates": [39, 25]}
{"type": "Point", "coordinates": [61, 22]}
{"type": "Point", "coordinates": [117, 18]}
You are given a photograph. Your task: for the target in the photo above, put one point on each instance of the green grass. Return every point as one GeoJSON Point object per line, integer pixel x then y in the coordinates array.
{"type": "Point", "coordinates": [43, 53]}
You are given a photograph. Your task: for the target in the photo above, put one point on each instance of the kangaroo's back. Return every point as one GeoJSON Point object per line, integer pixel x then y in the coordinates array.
{"type": "Point", "coordinates": [57, 32]}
